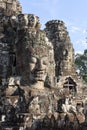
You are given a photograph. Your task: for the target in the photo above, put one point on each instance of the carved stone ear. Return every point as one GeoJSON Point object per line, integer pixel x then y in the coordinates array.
{"type": "Point", "coordinates": [47, 82]}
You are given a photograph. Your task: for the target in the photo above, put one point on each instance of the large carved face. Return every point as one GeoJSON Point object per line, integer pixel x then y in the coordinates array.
{"type": "Point", "coordinates": [38, 65]}
{"type": "Point", "coordinates": [36, 61]}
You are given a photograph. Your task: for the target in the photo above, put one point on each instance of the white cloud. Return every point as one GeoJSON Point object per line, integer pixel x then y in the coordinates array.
{"type": "Point", "coordinates": [84, 31]}
{"type": "Point", "coordinates": [80, 45]}
{"type": "Point", "coordinates": [78, 52]}
{"type": "Point", "coordinates": [82, 42]}
{"type": "Point", "coordinates": [74, 29]}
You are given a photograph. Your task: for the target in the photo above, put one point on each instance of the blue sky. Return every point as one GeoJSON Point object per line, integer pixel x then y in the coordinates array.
{"type": "Point", "coordinates": [72, 12]}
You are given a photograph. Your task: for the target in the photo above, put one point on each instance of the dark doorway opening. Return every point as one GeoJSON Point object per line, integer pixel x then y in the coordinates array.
{"type": "Point", "coordinates": [71, 85]}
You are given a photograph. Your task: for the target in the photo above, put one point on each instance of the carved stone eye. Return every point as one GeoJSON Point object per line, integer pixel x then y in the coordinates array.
{"type": "Point", "coordinates": [33, 60]}
{"type": "Point", "coordinates": [44, 62]}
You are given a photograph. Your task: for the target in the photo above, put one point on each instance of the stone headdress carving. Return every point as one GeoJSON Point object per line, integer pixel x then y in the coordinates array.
{"type": "Point", "coordinates": [28, 21]}
{"type": "Point", "coordinates": [58, 28]}
{"type": "Point", "coordinates": [39, 40]}
{"type": "Point", "coordinates": [10, 7]}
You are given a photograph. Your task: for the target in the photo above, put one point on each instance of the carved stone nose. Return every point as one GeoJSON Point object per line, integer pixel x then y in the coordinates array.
{"type": "Point", "coordinates": [39, 63]}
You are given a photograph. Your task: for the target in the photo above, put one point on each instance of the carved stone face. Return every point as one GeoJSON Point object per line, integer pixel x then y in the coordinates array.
{"type": "Point", "coordinates": [32, 20]}
{"type": "Point", "coordinates": [62, 35]}
{"type": "Point", "coordinates": [23, 20]}
{"type": "Point", "coordinates": [5, 20]}
{"type": "Point", "coordinates": [35, 64]}
{"type": "Point", "coordinates": [38, 68]}
{"type": "Point", "coordinates": [13, 21]}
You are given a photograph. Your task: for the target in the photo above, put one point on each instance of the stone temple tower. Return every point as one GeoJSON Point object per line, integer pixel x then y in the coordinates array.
{"type": "Point", "coordinates": [63, 49]}
{"type": "Point", "coordinates": [65, 71]}
{"type": "Point", "coordinates": [9, 9]}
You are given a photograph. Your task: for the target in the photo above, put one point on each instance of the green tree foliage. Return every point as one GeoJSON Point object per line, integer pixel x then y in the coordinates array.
{"type": "Point", "coordinates": [81, 64]}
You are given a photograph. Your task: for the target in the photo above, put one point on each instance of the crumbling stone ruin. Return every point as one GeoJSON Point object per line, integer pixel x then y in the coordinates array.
{"type": "Point", "coordinates": [39, 86]}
